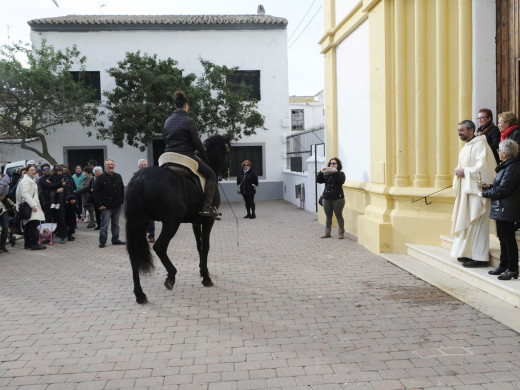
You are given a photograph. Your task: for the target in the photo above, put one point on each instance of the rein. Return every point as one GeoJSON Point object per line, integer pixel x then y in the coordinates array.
{"type": "Point", "coordinates": [231, 207]}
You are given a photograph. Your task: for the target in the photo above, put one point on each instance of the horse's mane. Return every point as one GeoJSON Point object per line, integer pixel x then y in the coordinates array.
{"type": "Point", "coordinates": [217, 140]}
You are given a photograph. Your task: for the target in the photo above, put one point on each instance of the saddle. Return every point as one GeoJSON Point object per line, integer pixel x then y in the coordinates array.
{"type": "Point", "coordinates": [182, 164]}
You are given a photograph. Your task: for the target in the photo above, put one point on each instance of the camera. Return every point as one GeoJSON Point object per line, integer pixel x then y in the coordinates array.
{"type": "Point", "coordinates": [329, 169]}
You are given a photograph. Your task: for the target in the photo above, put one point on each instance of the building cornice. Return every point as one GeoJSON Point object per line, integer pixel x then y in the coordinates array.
{"type": "Point", "coordinates": [82, 23]}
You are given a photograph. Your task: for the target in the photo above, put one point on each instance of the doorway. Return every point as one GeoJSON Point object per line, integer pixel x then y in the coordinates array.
{"type": "Point", "coordinates": [80, 156]}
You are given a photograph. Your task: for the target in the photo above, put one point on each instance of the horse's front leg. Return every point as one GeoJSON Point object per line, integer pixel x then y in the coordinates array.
{"type": "Point", "coordinates": [202, 233]}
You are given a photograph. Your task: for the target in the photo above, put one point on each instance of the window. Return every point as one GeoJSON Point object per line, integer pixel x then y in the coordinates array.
{"type": "Point", "coordinates": [297, 120]}
{"type": "Point", "coordinates": [89, 79]}
{"type": "Point", "coordinates": [251, 153]}
{"type": "Point", "coordinates": [248, 77]}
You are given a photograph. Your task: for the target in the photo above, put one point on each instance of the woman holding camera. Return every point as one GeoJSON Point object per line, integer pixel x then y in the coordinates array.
{"type": "Point", "coordinates": [333, 197]}
{"type": "Point", "coordinates": [505, 208]}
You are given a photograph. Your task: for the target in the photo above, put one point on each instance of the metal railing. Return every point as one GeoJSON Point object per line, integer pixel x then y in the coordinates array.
{"type": "Point", "coordinates": [299, 146]}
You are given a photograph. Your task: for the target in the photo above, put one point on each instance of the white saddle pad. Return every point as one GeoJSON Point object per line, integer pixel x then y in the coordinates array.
{"type": "Point", "coordinates": [185, 161]}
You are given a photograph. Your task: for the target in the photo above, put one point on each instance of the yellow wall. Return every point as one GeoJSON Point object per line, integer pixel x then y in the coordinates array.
{"type": "Point", "coordinates": [420, 88]}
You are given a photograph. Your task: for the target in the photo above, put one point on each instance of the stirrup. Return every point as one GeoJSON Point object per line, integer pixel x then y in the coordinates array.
{"type": "Point", "coordinates": [212, 212]}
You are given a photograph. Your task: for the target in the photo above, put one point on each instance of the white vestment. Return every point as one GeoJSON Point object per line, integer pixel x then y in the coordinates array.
{"type": "Point", "coordinates": [471, 212]}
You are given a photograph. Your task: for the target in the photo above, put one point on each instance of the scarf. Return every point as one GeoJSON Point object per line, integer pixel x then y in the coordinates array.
{"type": "Point", "coordinates": [508, 131]}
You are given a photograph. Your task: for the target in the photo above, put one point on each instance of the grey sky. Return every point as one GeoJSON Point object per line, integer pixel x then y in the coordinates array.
{"type": "Point", "coordinates": [305, 26]}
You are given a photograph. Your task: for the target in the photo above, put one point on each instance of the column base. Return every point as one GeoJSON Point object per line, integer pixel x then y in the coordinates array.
{"type": "Point", "coordinates": [374, 235]}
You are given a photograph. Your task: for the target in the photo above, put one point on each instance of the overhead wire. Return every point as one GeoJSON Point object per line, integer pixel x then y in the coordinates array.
{"type": "Point", "coordinates": [313, 16]}
{"type": "Point", "coordinates": [301, 21]}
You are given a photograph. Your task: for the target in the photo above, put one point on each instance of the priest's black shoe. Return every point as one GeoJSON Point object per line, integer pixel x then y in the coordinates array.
{"type": "Point", "coordinates": [475, 264]}
{"type": "Point", "coordinates": [508, 275]}
{"type": "Point", "coordinates": [38, 247]}
{"type": "Point", "coordinates": [497, 271]}
{"type": "Point", "coordinates": [463, 259]}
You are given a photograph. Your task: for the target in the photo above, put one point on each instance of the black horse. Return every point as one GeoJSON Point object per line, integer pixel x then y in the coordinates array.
{"type": "Point", "coordinates": [161, 194]}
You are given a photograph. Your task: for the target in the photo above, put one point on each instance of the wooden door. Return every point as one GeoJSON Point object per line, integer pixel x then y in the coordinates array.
{"type": "Point", "coordinates": [508, 55]}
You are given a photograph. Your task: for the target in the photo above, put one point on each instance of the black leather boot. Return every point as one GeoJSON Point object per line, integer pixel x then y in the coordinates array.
{"type": "Point", "coordinates": [209, 191]}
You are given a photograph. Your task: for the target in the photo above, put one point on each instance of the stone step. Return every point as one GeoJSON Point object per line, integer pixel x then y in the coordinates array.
{"type": "Point", "coordinates": [498, 299]}
{"type": "Point", "coordinates": [440, 260]}
{"type": "Point", "coordinates": [494, 247]}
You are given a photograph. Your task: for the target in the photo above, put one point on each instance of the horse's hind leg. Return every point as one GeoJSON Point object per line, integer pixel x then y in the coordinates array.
{"type": "Point", "coordinates": [161, 246]}
{"type": "Point", "coordinates": [202, 233]}
{"type": "Point", "coordinates": [140, 296]}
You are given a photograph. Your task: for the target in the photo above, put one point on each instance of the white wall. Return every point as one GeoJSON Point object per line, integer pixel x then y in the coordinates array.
{"type": "Point", "coordinates": [308, 179]}
{"type": "Point", "coordinates": [264, 50]}
{"type": "Point", "coordinates": [353, 68]}
{"type": "Point", "coordinates": [484, 56]}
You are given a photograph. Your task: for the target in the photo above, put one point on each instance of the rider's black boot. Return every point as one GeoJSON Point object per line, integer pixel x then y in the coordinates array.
{"type": "Point", "coordinates": [209, 191]}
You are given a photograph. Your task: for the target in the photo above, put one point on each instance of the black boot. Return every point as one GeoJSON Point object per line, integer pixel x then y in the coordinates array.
{"type": "Point", "coordinates": [209, 191]}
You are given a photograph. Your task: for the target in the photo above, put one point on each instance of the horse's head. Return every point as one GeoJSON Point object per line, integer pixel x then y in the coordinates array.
{"type": "Point", "coordinates": [218, 150]}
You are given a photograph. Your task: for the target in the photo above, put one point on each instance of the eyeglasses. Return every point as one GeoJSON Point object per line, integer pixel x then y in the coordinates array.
{"type": "Point", "coordinates": [247, 165]}
{"type": "Point", "coordinates": [482, 118]}
{"type": "Point", "coordinates": [333, 163]}
{"type": "Point", "coordinates": [45, 169]}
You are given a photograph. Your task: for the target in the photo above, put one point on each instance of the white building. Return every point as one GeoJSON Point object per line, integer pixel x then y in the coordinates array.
{"type": "Point", "coordinates": [256, 44]}
{"type": "Point", "coordinates": [307, 112]}
{"type": "Point", "coordinates": [304, 151]}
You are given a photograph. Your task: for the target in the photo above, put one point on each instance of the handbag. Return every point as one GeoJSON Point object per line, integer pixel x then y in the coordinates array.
{"type": "Point", "coordinates": [320, 201]}
{"type": "Point", "coordinates": [24, 210]}
{"type": "Point", "coordinates": [238, 187]}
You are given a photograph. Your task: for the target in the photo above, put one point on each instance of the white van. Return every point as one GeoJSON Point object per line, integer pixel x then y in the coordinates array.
{"type": "Point", "coordinates": [14, 166]}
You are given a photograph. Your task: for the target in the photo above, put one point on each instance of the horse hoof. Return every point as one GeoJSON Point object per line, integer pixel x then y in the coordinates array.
{"type": "Point", "coordinates": [207, 282]}
{"type": "Point", "coordinates": [142, 300]}
{"type": "Point", "coordinates": [169, 284]}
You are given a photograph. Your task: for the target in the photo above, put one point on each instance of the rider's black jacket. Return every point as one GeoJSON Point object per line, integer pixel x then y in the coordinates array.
{"type": "Point", "coordinates": [181, 135]}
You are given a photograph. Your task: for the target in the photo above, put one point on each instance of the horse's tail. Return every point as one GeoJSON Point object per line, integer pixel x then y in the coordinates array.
{"type": "Point", "coordinates": [136, 225]}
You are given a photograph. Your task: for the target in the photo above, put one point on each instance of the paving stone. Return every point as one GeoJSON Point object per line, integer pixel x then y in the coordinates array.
{"type": "Point", "coordinates": [288, 311]}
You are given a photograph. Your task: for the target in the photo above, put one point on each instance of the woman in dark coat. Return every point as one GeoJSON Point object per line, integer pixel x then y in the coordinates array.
{"type": "Point", "coordinates": [505, 208]}
{"type": "Point", "coordinates": [85, 191]}
{"type": "Point", "coordinates": [333, 197]}
{"type": "Point", "coordinates": [247, 181]}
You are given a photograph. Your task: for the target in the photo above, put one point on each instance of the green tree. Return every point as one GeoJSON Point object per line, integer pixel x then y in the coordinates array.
{"type": "Point", "coordinates": [142, 100]}
{"type": "Point", "coordinates": [38, 93]}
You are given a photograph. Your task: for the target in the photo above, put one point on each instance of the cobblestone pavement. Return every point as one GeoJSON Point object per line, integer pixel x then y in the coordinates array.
{"type": "Point", "coordinates": [288, 311]}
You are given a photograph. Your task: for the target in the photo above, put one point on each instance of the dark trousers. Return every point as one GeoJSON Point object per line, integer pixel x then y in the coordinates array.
{"type": "Point", "coordinates": [58, 216]}
{"type": "Point", "coordinates": [98, 216]}
{"type": "Point", "coordinates": [151, 229]}
{"type": "Point", "coordinates": [30, 233]}
{"type": "Point", "coordinates": [250, 203]}
{"type": "Point", "coordinates": [4, 221]}
{"type": "Point", "coordinates": [508, 245]}
{"type": "Point", "coordinates": [79, 206]}
{"type": "Point", "coordinates": [334, 206]}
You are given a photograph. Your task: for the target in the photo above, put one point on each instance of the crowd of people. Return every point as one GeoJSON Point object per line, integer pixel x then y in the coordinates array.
{"type": "Point", "coordinates": [58, 200]}
{"type": "Point", "coordinates": [487, 186]}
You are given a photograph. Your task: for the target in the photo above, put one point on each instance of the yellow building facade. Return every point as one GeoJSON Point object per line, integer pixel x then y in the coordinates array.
{"type": "Point", "coordinates": [398, 79]}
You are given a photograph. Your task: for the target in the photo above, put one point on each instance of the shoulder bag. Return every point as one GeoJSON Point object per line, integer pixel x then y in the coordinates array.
{"type": "Point", "coordinates": [24, 210]}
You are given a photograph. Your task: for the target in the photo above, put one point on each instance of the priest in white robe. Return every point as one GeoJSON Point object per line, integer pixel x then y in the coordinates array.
{"type": "Point", "coordinates": [471, 212]}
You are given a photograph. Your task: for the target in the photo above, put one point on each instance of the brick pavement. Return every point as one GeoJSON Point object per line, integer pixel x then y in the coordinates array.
{"type": "Point", "coordinates": [288, 311]}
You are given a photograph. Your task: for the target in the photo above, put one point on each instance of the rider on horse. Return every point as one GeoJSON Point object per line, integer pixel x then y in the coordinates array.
{"type": "Point", "coordinates": [181, 136]}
